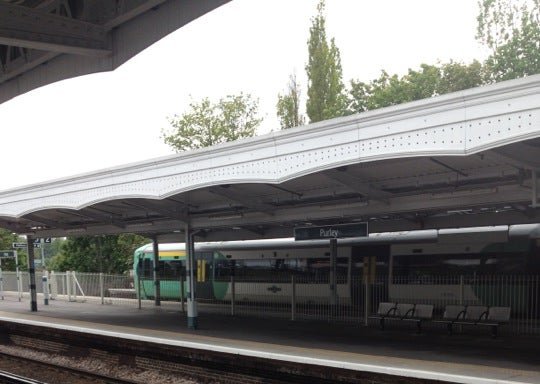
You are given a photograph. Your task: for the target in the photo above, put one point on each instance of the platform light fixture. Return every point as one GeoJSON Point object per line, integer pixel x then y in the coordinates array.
{"type": "Point", "coordinates": [353, 204]}
{"type": "Point", "coordinates": [139, 225]}
{"type": "Point", "coordinates": [226, 216]}
{"type": "Point", "coordinates": [75, 230]}
{"type": "Point", "coordinates": [463, 193]}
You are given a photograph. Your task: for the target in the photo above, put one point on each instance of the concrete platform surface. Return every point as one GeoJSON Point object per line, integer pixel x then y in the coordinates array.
{"type": "Point", "coordinates": [462, 358]}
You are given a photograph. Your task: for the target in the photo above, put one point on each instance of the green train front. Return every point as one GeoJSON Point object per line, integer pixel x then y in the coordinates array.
{"type": "Point", "coordinates": [172, 273]}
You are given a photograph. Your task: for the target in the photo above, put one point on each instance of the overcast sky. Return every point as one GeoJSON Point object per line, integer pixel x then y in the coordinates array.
{"type": "Point", "coordinates": [102, 120]}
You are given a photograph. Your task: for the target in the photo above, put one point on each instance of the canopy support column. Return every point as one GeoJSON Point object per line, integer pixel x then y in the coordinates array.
{"type": "Point", "coordinates": [190, 266]}
{"type": "Point", "coordinates": [157, 284]}
{"type": "Point", "coordinates": [333, 275]}
{"type": "Point", "coordinates": [32, 273]}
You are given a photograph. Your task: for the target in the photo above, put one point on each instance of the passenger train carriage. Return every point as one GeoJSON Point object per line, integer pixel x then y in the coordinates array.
{"type": "Point", "coordinates": [418, 266]}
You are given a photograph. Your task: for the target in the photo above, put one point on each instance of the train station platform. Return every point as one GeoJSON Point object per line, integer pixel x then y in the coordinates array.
{"type": "Point", "coordinates": [461, 358]}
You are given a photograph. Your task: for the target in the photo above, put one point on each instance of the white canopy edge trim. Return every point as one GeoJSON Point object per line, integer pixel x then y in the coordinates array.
{"type": "Point", "coordinates": [456, 124]}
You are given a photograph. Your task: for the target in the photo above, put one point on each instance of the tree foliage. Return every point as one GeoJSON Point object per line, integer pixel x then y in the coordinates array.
{"type": "Point", "coordinates": [205, 124]}
{"type": "Point", "coordinates": [6, 240]}
{"type": "Point", "coordinates": [107, 253]}
{"type": "Point", "coordinates": [325, 96]}
{"type": "Point", "coordinates": [511, 30]}
{"type": "Point", "coordinates": [427, 81]}
{"type": "Point", "coordinates": [288, 106]}
{"type": "Point", "coordinates": [458, 76]}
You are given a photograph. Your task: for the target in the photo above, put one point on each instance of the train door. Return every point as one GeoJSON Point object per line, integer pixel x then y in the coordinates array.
{"type": "Point", "coordinates": [204, 275]}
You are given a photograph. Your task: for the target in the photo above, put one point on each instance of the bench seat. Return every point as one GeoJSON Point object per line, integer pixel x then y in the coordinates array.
{"type": "Point", "coordinates": [479, 315]}
{"type": "Point", "coordinates": [404, 312]}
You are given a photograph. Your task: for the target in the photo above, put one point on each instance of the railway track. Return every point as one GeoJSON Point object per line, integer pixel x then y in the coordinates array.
{"type": "Point", "coordinates": [45, 369]}
{"type": "Point", "coordinates": [142, 362]}
{"type": "Point", "coordinates": [10, 378]}
{"type": "Point", "coordinates": [198, 374]}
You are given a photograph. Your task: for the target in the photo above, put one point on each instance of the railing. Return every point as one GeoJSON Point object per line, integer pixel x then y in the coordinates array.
{"type": "Point", "coordinates": [295, 297]}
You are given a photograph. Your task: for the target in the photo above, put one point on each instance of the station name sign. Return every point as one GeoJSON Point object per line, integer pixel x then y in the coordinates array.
{"type": "Point", "coordinates": [7, 254]}
{"type": "Point", "coordinates": [331, 231]}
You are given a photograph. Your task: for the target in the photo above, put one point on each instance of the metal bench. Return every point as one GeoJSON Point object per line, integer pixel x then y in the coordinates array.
{"type": "Point", "coordinates": [452, 313]}
{"type": "Point", "coordinates": [404, 312]}
{"type": "Point", "coordinates": [384, 311]}
{"type": "Point", "coordinates": [475, 315]}
{"type": "Point", "coordinates": [422, 312]}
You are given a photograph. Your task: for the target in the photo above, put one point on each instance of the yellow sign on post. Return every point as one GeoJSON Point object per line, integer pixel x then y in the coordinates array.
{"type": "Point", "coordinates": [369, 269]}
{"type": "Point", "coordinates": [201, 271]}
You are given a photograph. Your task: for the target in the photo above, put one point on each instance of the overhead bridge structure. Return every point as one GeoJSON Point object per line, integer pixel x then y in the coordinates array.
{"type": "Point", "coordinates": [43, 41]}
{"type": "Point", "coordinates": [464, 159]}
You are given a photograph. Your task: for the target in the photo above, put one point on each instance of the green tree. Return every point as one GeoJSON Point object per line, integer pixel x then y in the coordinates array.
{"type": "Point", "coordinates": [288, 106]}
{"type": "Point", "coordinates": [107, 253]}
{"type": "Point", "coordinates": [54, 248]}
{"type": "Point", "coordinates": [427, 81]}
{"type": "Point", "coordinates": [205, 124]}
{"type": "Point", "coordinates": [382, 92]}
{"type": "Point", "coordinates": [6, 240]}
{"type": "Point", "coordinates": [326, 96]}
{"type": "Point", "coordinates": [511, 30]}
{"type": "Point", "coordinates": [457, 76]}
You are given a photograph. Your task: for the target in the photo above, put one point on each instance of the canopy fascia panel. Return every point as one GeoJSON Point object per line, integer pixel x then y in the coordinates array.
{"type": "Point", "coordinates": [457, 124]}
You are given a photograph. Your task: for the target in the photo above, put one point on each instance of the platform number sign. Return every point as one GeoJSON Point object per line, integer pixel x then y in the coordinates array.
{"type": "Point", "coordinates": [40, 240]}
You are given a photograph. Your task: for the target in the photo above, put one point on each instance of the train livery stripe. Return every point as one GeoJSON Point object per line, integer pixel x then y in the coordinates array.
{"type": "Point", "coordinates": [172, 253]}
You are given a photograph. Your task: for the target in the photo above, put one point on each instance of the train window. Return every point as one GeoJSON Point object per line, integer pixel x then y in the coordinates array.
{"type": "Point", "coordinates": [319, 269]}
{"type": "Point", "coordinates": [171, 269]}
{"type": "Point", "coordinates": [268, 270]}
{"type": "Point", "coordinates": [488, 263]}
{"type": "Point", "coordinates": [145, 268]}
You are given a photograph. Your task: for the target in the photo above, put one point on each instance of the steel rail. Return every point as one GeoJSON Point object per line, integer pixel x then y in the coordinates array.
{"type": "Point", "coordinates": [192, 372]}
{"type": "Point", "coordinates": [65, 369]}
{"type": "Point", "coordinates": [10, 378]}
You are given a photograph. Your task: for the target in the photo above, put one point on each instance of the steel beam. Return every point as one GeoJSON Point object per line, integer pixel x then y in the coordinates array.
{"type": "Point", "coordinates": [48, 222]}
{"type": "Point", "coordinates": [229, 193]}
{"type": "Point", "coordinates": [94, 214]}
{"type": "Point", "coordinates": [362, 187]}
{"type": "Point", "coordinates": [519, 155]}
{"type": "Point", "coordinates": [149, 205]}
{"type": "Point", "coordinates": [32, 28]}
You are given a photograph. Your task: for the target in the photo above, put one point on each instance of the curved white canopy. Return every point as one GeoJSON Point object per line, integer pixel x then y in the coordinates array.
{"type": "Point", "coordinates": [467, 158]}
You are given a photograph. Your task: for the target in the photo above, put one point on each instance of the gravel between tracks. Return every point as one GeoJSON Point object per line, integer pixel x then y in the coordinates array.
{"type": "Point", "coordinates": [98, 366]}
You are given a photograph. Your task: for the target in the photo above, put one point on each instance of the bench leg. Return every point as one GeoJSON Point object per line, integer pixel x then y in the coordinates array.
{"type": "Point", "coordinates": [494, 330]}
{"type": "Point", "coordinates": [449, 328]}
{"type": "Point", "coordinates": [381, 323]}
{"type": "Point", "coordinates": [418, 327]}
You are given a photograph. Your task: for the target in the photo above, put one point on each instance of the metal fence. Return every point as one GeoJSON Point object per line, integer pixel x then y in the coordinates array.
{"type": "Point", "coordinates": [295, 297]}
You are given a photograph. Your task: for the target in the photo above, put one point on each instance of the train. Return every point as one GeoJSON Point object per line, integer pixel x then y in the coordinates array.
{"type": "Point", "coordinates": [419, 266]}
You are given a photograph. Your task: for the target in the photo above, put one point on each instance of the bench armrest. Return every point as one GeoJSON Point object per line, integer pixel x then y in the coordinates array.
{"type": "Point", "coordinates": [461, 315]}
{"type": "Point", "coordinates": [393, 310]}
{"type": "Point", "coordinates": [483, 316]}
{"type": "Point", "coordinates": [407, 313]}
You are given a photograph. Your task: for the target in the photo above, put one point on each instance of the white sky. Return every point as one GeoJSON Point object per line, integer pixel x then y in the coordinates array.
{"type": "Point", "coordinates": [102, 120]}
